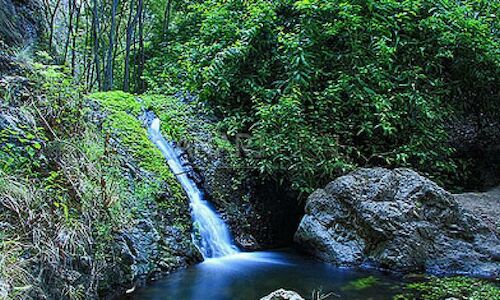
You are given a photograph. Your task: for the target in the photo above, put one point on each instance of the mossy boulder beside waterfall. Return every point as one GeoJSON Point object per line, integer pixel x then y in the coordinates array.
{"type": "Point", "coordinates": [396, 219]}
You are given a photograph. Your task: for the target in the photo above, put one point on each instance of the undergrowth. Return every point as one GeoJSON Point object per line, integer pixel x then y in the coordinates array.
{"type": "Point", "coordinates": [451, 288]}
{"type": "Point", "coordinates": [67, 186]}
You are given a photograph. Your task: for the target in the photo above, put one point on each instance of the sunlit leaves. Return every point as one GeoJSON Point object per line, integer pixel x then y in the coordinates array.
{"type": "Point", "coordinates": [326, 85]}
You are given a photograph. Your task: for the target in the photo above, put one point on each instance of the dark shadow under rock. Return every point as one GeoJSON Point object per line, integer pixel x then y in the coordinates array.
{"type": "Point", "coordinates": [260, 214]}
{"type": "Point", "coordinates": [477, 142]}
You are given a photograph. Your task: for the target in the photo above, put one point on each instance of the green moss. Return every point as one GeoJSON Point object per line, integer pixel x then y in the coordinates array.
{"type": "Point", "coordinates": [122, 122]}
{"type": "Point", "coordinates": [361, 283]}
{"type": "Point", "coordinates": [172, 112]}
{"type": "Point", "coordinates": [118, 101]}
{"type": "Point", "coordinates": [451, 287]}
{"type": "Point", "coordinates": [72, 181]}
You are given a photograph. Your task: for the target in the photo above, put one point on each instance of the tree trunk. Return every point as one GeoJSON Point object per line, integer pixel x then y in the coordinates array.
{"type": "Point", "coordinates": [95, 33]}
{"type": "Point", "coordinates": [132, 20]}
{"type": "Point", "coordinates": [73, 44]}
{"type": "Point", "coordinates": [71, 13]}
{"type": "Point", "coordinates": [51, 14]}
{"type": "Point", "coordinates": [166, 18]}
{"type": "Point", "coordinates": [140, 65]}
{"type": "Point", "coordinates": [109, 64]}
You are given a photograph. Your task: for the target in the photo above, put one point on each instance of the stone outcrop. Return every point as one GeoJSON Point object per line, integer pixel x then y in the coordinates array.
{"type": "Point", "coordinates": [399, 220]}
{"type": "Point", "coordinates": [485, 206]}
{"type": "Point", "coordinates": [20, 21]}
{"type": "Point", "coordinates": [154, 240]}
{"type": "Point", "coordinates": [146, 251]}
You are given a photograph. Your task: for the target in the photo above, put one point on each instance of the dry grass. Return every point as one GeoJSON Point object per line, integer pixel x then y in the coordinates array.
{"type": "Point", "coordinates": [15, 217]}
{"type": "Point", "coordinates": [44, 236]}
{"type": "Point", "coordinates": [66, 207]}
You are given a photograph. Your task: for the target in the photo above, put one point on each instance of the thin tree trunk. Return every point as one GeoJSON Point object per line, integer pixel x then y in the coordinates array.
{"type": "Point", "coordinates": [140, 66]}
{"type": "Point", "coordinates": [73, 44]}
{"type": "Point", "coordinates": [95, 32]}
{"type": "Point", "coordinates": [119, 37]}
{"type": "Point", "coordinates": [86, 55]}
{"type": "Point", "coordinates": [166, 18]}
{"type": "Point", "coordinates": [109, 64]}
{"type": "Point", "coordinates": [71, 14]}
{"type": "Point", "coordinates": [132, 20]}
{"type": "Point", "coordinates": [134, 57]}
{"type": "Point", "coordinates": [52, 16]}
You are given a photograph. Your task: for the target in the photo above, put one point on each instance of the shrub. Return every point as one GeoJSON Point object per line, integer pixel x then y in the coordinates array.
{"type": "Point", "coordinates": [323, 86]}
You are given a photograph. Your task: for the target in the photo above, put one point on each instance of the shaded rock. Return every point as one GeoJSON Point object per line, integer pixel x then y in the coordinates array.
{"type": "Point", "coordinates": [396, 219]}
{"type": "Point", "coordinates": [260, 214]}
{"type": "Point", "coordinates": [282, 294]}
{"type": "Point", "coordinates": [147, 250]}
{"type": "Point", "coordinates": [20, 21]}
{"type": "Point", "coordinates": [485, 206]}
{"type": "Point", "coordinates": [143, 240]}
{"type": "Point", "coordinates": [476, 139]}
{"type": "Point", "coordinates": [7, 64]}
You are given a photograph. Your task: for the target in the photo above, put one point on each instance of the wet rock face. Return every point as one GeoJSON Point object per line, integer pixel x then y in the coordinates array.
{"type": "Point", "coordinates": [146, 252]}
{"type": "Point", "coordinates": [21, 23]}
{"type": "Point", "coordinates": [151, 246]}
{"type": "Point", "coordinates": [259, 215]}
{"type": "Point", "coordinates": [396, 219]}
{"type": "Point", "coordinates": [155, 240]}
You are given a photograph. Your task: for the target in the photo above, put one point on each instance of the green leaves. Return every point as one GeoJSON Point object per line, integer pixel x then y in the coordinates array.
{"type": "Point", "coordinates": [323, 86]}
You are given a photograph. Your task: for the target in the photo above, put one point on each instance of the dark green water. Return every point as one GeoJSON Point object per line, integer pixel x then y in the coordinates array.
{"type": "Point", "coordinates": [254, 275]}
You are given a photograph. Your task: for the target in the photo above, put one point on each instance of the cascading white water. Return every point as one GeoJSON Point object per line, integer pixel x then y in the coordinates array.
{"type": "Point", "coordinates": [214, 238]}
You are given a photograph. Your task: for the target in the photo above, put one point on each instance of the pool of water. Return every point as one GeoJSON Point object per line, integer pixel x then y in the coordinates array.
{"type": "Point", "coordinates": [254, 275]}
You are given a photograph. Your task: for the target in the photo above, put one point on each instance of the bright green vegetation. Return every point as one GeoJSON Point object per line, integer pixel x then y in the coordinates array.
{"type": "Point", "coordinates": [320, 86]}
{"type": "Point", "coordinates": [122, 121]}
{"type": "Point", "coordinates": [174, 115]}
{"type": "Point", "coordinates": [325, 86]}
{"type": "Point", "coordinates": [361, 283]}
{"type": "Point", "coordinates": [453, 287]}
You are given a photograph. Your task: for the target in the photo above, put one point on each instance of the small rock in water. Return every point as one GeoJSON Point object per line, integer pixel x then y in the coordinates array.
{"type": "Point", "coordinates": [283, 294]}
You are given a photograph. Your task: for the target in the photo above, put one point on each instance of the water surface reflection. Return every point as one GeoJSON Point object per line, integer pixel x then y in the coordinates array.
{"type": "Point", "coordinates": [248, 276]}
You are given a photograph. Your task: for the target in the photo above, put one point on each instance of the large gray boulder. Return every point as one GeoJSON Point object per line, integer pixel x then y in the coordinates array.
{"type": "Point", "coordinates": [396, 219]}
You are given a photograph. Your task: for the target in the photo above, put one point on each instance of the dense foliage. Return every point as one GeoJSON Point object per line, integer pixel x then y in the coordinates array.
{"type": "Point", "coordinates": [452, 287]}
{"type": "Point", "coordinates": [310, 88]}
{"type": "Point", "coordinates": [324, 86]}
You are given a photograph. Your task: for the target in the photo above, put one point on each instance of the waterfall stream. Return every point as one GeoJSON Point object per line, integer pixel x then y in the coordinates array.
{"type": "Point", "coordinates": [214, 239]}
{"type": "Point", "coordinates": [228, 274]}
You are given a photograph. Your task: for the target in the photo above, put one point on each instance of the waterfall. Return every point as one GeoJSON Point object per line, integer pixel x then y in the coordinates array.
{"type": "Point", "coordinates": [214, 238]}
